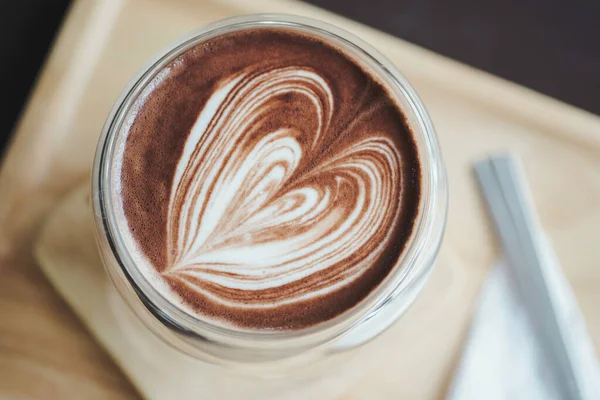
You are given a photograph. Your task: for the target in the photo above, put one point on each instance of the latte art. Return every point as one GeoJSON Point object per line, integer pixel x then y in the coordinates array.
{"type": "Point", "coordinates": [246, 228]}
{"type": "Point", "coordinates": [266, 192]}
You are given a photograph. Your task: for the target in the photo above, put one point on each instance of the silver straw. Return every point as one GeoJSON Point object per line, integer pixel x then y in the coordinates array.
{"type": "Point", "coordinates": [512, 210]}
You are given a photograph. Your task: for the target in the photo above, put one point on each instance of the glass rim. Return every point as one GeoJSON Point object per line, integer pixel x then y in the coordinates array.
{"type": "Point", "coordinates": [410, 264]}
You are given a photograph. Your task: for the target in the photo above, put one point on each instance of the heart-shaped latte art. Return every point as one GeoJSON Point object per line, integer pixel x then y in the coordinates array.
{"type": "Point", "coordinates": [261, 216]}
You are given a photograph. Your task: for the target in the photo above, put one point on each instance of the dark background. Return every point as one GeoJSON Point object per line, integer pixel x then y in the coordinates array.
{"type": "Point", "coordinates": [552, 46]}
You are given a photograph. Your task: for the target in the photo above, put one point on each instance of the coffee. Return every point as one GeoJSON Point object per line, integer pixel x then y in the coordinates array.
{"type": "Point", "coordinates": [266, 180]}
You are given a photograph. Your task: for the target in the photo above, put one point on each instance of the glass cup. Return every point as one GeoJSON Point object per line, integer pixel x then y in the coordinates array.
{"type": "Point", "coordinates": [271, 350]}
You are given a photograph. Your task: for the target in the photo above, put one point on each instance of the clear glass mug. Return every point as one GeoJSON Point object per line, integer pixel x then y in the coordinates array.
{"type": "Point", "coordinates": [270, 351]}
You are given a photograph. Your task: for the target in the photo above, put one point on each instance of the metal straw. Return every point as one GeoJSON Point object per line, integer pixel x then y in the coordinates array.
{"type": "Point", "coordinates": [510, 205]}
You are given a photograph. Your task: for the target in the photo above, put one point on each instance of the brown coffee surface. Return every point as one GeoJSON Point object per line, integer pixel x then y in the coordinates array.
{"type": "Point", "coordinates": [268, 179]}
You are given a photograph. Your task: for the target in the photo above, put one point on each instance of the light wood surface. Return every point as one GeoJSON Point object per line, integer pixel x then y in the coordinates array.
{"type": "Point", "coordinates": [46, 353]}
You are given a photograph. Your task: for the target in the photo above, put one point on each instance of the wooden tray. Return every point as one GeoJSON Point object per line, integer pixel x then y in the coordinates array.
{"type": "Point", "coordinates": [46, 352]}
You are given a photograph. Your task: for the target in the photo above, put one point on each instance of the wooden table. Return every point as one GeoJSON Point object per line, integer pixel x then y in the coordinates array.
{"type": "Point", "coordinates": [45, 352]}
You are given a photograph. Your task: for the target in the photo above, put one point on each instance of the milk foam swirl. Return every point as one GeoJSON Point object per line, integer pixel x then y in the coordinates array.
{"type": "Point", "coordinates": [246, 227]}
{"type": "Point", "coordinates": [266, 192]}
